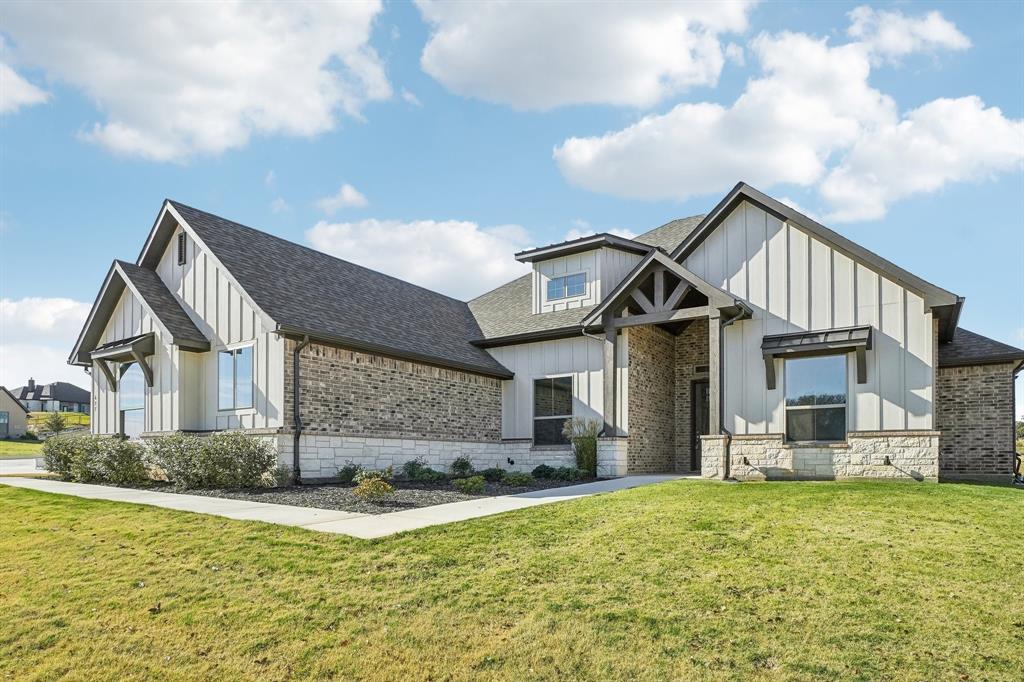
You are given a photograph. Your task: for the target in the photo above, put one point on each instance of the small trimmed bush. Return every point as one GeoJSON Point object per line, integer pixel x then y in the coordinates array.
{"type": "Point", "coordinates": [373, 489]}
{"type": "Point", "coordinates": [567, 474]}
{"type": "Point", "coordinates": [417, 470]}
{"type": "Point", "coordinates": [493, 475]}
{"type": "Point", "coordinates": [58, 452]}
{"type": "Point", "coordinates": [474, 485]}
{"type": "Point", "coordinates": [347, 473]}
{"type": "Point", "coordinates": [373, 475]}
{"type": "Point", "coordinates": [517, 479]}
{"type": "Point", "coordinates": [122, 462]}
{"type": "Point", "coordinates": [543, 471]}
{"type": "Point", "coordinates": [179, 458]}
{"type": "Point", "coordinates": [462, 467]}
{"type": "Point", "coordinates": [223, 460]}
{"type": "Point", "coordinates": [96, 459]}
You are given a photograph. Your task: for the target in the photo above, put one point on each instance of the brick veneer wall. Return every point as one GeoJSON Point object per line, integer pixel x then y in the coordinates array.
{"type": "Point", "coordinates": [691, 351]}
{"type": "Point", "coordinates": [357, 394]}
{"type": "Point", "coordinates": [974, 413]}
{"type": "Point", "coordinates": [652, 388]}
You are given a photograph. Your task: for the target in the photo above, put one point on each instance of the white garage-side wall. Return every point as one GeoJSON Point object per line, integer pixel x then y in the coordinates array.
{"type": "Point", "coordinates": [580, 357]}
{"type": "Point", "coordinates": [184, 392]}
{"type": "Point", "coordinates": [796, 282]}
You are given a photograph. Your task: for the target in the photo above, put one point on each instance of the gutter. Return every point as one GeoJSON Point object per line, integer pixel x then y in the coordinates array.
{"type": "Point", "coordinates": [296, 417]}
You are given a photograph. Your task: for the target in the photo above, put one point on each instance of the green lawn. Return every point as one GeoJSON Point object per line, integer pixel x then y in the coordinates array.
{"type": "Point", "coordinates": [682, 580]}
{"type": "Point", "coordinates": [20, 449]}
{"type": "Point", "coordinates": [38, 419]}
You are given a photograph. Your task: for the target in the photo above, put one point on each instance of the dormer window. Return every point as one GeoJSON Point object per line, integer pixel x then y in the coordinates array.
{"type": "Point", "coordinates": [567, 286]}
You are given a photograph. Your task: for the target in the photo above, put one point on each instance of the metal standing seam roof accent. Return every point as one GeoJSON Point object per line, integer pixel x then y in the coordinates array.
{"type": "Point", "coordinates": [305, 291]}
{"type": "Point", "coordinates": [809, 342]}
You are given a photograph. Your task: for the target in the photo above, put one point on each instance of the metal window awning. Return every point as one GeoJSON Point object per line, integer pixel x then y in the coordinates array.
{"type": "Point", "coordinates": [131, 349]}
{"type": "Point", "coordinates": [825, 342]}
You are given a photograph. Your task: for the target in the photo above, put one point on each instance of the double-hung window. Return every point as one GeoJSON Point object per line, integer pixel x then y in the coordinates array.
{"type": "Point", "coordinates": [816, 398]}
{"type": "Point", "coordinates": [234, 378]}
{"type": "Point", "coordinates": [567, 286]}
{"type": "Point", "coordinates": [552, 407]}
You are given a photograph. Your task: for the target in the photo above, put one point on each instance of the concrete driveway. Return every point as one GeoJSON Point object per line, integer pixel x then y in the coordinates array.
{"type": "Point", "coordinates": [18, 466]}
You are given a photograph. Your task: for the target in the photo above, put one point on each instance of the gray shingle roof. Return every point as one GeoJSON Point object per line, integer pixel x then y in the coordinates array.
{"type": "Point", "coordinates": [306, 290]}
{"type": "Point", "coordinates": [58, 390]}
{"type": "Point", "coordinates": [161, 301]}
{"type": "Point", "coordinates": [969, 348]}
{"type": "Point", "coordinates": [508, 310]}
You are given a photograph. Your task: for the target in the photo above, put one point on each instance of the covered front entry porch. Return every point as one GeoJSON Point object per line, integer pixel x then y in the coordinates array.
{"type": "Point", "coordinates": [671, 321]}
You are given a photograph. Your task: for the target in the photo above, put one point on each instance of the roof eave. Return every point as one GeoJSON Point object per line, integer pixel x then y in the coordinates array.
{"type": "Point", "coordinates": [529, 337]}
{"type": "Point", "coordinates": [587, 243]}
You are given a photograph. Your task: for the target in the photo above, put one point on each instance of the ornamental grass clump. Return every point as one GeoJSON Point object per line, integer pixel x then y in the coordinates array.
{"type": "Point", "coordinates": [582, 433]}
{"type": "Point", "coordinates": [372, 484]}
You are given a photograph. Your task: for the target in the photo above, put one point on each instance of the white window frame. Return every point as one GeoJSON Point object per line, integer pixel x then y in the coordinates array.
{"type": "Point", "coordinates": [846, 406]}
{"type": "Point", "coordinates": [533, 404]}
{"type": "Point", "coordinates": [549, 278]}
{"type": "Point", "coordinates": [231, 348]}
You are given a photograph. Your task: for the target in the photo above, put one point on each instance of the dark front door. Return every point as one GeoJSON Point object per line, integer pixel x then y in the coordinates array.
{"type": "Point", "coordinates": [700, 421]}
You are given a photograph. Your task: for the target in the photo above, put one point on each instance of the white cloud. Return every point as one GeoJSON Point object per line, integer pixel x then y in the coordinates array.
{"type": "Point", "coordinates": [411, 98]}
{"type": "Point", "coordinates": [279, 205]}
{"type": "Point", "coordinates": [891, 34]}
{"type": "Point", "coordinates": [941, 142]}
{"type": "Point", "coordinates": [16, 92]}
{"type": "Point", "coordinates": [539, 55]}
{"type": "Point", "coordinates": [811, 119]}
{"type": "Point", "coordinates": [270, 178]}
{"type": "Point", "coordinates": [346, 197]}
{"type": "Point", "coordinates": [457, 258]}
{"type": "Point", "coordinates": [36, 337]}
{"type": "Point", "coordinates": [179, 79]}
{"type": "Point", "coordinates": [581, 228]}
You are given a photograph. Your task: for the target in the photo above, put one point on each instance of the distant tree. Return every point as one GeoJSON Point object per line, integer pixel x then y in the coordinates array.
{"type": "Point", "coordinates": [1020, 430]}
{"type": "Point", "coordinates": [55, 422]}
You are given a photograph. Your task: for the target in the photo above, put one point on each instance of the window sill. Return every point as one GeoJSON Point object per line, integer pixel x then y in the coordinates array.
{"type": "Point", "coordinates": [815, 444]}
{"type": "Point", "coordinates": [550, 448]}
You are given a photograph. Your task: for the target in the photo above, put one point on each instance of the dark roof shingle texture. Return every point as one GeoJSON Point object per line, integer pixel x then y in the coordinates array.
{"type": "Point", "coordinates": [163, 304]}
{"type": "Point", "coordinates": [303, 289]}
{"type": "Point", "coordinates": [508, 310]}
{"type": "Point", "coordinates": [969, 348]}
{"type": "Point", "coordinates": [58, 390]}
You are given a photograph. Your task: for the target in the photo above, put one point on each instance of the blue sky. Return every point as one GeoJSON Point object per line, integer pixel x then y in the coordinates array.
{"type": "Point", "coordinates": [451, 127]}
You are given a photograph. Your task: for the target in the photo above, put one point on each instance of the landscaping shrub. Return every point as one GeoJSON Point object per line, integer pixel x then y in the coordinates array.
{"type": "Point", "coordinates": [223, 460]}
{"type": "Point", "coordinates": [582, 433]}
{"type": "Point", "coordinates": [347, 473]}
{"type": "Point", "coordinates": [543, 471]}
{"type": "Point", "coordinates": [417, 470]}
{"type": "Point", "coordinates": [474, 485]}
{"type": "Point", "coordinates": [517, 479]}
{"type": "Point", "coordinates": [462, 467]}
{"type": "Point", "coordinates": [493, 475]}
{"type": "Point", "coordinates": [373, 489]}
{"type": "Point", "coordinates": [373, 475]}
{"type": "Point", "coordinates": [428, 475]}
{"type": "Point", "coordinates": [96, 459]}
{"type": "Point", "coordinates": [567, 474]}
{"type": "Point", "coordinates": [55, 422]}
{"type": "Point", "coordinates": [58, 452]}
{"type": "Point", "coordinates": [179, 458]}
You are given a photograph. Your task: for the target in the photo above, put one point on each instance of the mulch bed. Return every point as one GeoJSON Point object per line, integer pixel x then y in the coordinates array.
{"type": "Point", "coordinates": [408, 495]}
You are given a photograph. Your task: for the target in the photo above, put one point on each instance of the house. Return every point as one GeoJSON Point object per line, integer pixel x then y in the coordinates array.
{"type": "Point", "coordinates": [13, 416]}
{"type": "Point", "coordinates": [59, 396]}
{"type": "Point", "coordinates": [751, 342]}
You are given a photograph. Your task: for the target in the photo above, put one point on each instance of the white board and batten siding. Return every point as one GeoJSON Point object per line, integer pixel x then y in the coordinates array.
{"type": "Point", "coordinates": [579, 357]}
{"type": "Point", "coordinates": [604, 269]}
{"type": "Point", "coordinates": [796, 282]}
{"type": "Point", "coordinates": [184, 391]}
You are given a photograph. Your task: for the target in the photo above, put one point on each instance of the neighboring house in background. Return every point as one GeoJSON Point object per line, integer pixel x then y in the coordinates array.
{"type": "Point", "coordinates": [13, 416]}
{"type": "Point", "coordinates": [751, 342]}
{"type": "Point", "coordinates": [59, 396]}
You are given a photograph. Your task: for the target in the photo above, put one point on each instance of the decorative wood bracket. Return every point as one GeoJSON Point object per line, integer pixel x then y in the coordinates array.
{"type": "Point", "coordinates": [806, 344]}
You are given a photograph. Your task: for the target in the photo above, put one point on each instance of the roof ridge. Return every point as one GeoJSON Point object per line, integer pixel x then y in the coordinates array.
{"type": "Point", "coordinates": [674, 220]}
{"type": "Point", "coordinates": [316, 251]}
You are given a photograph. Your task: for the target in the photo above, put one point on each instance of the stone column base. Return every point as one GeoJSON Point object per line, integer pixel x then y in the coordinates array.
{"type": "Point", "coordinates": [612, 454]}
{"type": "Point", "coordinates": [712, 457]}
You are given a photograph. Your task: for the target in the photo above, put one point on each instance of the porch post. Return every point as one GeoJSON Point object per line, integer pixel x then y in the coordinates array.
{"type": "Point", "coordinates": [610, 348]}
{"type": "Point", "coordinates": [714, 371]}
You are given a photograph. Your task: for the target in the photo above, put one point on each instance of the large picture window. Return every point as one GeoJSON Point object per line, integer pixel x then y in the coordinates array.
{"type": "Point", "coordinates": [131, 392]}
{"type": "Point", "coordinates": [234, 378]}
{"type": "Point", "coordinates": [552, 406]}
{"type": "Point", "coordinates": [567, 286]}
{"type": "Point", "coordinates": [816, 398]}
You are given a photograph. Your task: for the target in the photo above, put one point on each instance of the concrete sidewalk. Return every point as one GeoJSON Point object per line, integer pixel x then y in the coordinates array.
{"type": "Point", "coordinates": [19, 466]}
{"type": "Point", "coordinates": [364, 526]}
